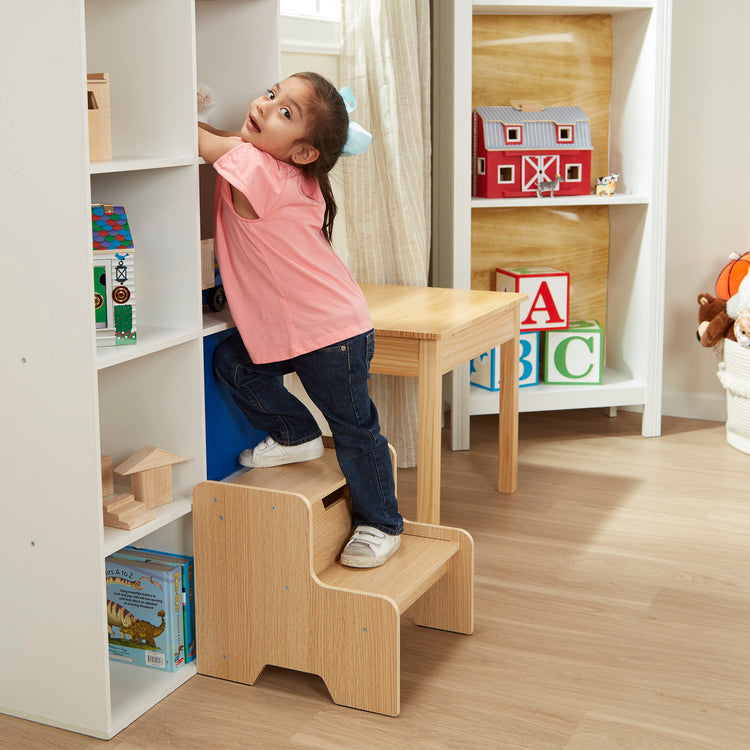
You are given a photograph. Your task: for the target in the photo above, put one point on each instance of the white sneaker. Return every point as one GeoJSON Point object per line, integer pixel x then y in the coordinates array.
{"type": "Point", "coordinates": [369, 547]}
{"type": "Point", "coordinates": [269, 453]}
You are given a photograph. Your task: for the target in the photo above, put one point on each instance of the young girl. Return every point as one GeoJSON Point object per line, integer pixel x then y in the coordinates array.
{"type": "Point", "coordinates": [296, 306]}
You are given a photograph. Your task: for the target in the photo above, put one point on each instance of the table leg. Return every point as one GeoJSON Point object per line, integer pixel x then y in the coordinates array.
{"type": "Point", "coordinates": [428, 441]}
{"type": "Point", "coordinates": [507, 475]}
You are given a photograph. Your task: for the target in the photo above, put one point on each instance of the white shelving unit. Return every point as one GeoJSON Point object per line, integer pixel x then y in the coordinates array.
{"type": "Point", "coordinates": [637, 213]}
{"type": "Point", "coordinates": [65, 400]}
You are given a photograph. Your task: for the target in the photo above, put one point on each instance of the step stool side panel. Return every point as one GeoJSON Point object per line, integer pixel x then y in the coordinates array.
{"type": "Point", "coordinates": [254, 556]}
{"type": "Point", "coordinates": [449, 603]}
{"type": "Point", "coordinates": [357, 649]}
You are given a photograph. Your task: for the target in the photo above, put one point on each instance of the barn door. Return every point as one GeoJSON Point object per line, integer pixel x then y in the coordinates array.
{"type": "Point", "coordinates": [538, 169]}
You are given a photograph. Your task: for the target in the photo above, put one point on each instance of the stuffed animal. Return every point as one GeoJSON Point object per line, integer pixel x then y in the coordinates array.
{"type": "Point", "coordinates": [738, 308]}
{"type": "Point", "coordinates": [206, 101]}
{"type": "Point", "coordinates": [714, 324]}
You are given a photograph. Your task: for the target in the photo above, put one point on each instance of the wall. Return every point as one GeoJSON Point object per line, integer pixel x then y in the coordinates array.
{"type": "Point", "coordinates": [709, 207]}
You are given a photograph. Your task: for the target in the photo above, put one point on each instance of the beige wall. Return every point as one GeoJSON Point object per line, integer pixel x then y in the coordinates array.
{"type": "Point", "coordinates": [709, 176]}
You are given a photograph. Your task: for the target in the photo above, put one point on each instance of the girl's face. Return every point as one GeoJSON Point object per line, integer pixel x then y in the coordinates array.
{"type": "Point", "coordinates": [277, 122]}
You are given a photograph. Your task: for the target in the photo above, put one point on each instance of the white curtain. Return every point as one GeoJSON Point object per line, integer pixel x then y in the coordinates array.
{"type": "Point", "coordinates": [385, 60]}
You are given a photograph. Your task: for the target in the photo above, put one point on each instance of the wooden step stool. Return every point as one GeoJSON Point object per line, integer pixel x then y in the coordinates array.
{"type": "Point", "coordinates": [269, 589]}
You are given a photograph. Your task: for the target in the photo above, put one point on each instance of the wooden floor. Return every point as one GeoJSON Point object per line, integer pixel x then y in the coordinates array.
{"type": "Point", "coordinates": [612, 612]}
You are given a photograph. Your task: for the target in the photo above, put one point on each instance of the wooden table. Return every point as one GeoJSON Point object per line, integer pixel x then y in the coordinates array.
{"type": "Point", "coordinates": [424, 332]}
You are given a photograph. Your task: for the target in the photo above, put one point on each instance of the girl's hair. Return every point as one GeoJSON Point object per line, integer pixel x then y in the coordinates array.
{"type": "Point", "coordinates": [328, 130]}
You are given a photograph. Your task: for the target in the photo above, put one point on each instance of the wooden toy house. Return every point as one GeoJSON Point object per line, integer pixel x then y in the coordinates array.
{"type": "Point", "coordinates": [516, 149]}
{"type": "Point", "coordinates": [114, 276]}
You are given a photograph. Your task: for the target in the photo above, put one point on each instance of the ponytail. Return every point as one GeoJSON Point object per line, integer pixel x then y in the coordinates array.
{"type": "Point", "coordinates": [329, 124]}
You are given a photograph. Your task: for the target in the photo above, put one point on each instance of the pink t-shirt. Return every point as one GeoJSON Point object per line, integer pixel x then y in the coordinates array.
{"type": "Point", "coordinates": [288, 291]}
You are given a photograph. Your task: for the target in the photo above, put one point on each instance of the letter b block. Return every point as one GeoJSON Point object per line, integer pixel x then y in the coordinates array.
{"type": "Point", "coordinates": [548, 289]}
{"type": "Point", "coordinates": [575, 355]}
{"type": "Point", "coordinates": [485, 369]}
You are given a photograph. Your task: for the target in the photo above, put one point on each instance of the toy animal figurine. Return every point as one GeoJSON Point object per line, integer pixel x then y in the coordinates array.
{"type": "Point", "coordinates": [551, 185]}
{"type": "Point", "coordinates": [606, 185]}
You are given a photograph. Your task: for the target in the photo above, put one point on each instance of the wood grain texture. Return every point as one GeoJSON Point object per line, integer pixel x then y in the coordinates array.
{"type": "Point", "coordinates": [611, 612]}
{"type": "Point", "coordinates": [556, 60]}
{"type": "Point", "coordinates": [573, 240]}
{"type": "Point", "coordinates": [425, 332]}
{"type": "Point", "coordinates": [270, 589]}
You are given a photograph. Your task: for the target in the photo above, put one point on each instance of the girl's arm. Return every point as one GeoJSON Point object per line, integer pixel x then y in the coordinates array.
{"type": "Point", "coordinates": [213, 144]}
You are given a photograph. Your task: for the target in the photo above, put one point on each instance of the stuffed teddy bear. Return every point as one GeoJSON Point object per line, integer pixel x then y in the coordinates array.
{"type": "Point", "coordinates": [714, 323]}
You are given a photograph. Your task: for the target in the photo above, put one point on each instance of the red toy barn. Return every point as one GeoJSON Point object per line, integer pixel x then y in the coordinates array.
{"type": "Point", "coordinates": [516, 150]}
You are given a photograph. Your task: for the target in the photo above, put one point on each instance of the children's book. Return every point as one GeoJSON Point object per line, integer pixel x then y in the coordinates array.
{"type": "Point", "coordinates": [145, 616]}
{"type": "Point", "coordinates": [188, 587]}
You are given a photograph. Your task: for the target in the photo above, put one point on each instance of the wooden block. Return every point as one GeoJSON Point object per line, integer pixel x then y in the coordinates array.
{"type": "Point", "coordinates": [150, 471]}
{"type": "Point", "coordinates": [548, 288]}
{"type": "Point", "coordinates": [123, 511]}
{"type": "Point", "coordinates": [208, 273]}
{"type": "Point", "coordinates": [108, 479]}
{"type": "Point", "coordinates": [485, 369]}
{"type": "Point", "coordinates": [100, 127]}
{"type": "Point", "coordinates": [153, 487]}
{"type": "Point", "coordinates": [575, 355]}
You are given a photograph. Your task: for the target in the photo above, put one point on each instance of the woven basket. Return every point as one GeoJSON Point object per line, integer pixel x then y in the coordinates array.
{"type": "Point", "coordinates": [734, 374]}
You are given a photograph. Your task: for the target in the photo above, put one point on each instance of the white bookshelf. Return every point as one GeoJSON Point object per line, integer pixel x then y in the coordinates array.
{"type": "Point", "coordinates": [67, 401]}
{"type": "Point", "coordinates": [637, 212]}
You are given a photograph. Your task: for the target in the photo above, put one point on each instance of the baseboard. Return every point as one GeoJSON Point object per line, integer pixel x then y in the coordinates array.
{"type": "Point", "coordinates": [711, 406]}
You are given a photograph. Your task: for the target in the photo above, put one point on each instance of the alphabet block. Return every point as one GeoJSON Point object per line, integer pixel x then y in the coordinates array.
{"type": "Point", "coordinates": [575, 355]}
{"type": "Point", "coordinates": [485, 369]}
{"type": "Point", "coordinates": [548, 289]}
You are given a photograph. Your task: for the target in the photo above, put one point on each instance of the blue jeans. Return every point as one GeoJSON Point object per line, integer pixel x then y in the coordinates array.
{"type": "Point", "coordinates": [335, 379]}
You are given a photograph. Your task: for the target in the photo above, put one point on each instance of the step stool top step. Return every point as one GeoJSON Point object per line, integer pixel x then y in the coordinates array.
{"type": "Point", "coordinates": [313, 479]}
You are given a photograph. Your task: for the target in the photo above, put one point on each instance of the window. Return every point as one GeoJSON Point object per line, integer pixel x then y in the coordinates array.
{"type": "Point", "coordinates": [311, 26]}
{"type": "Point", "coordinates": [573, 172]}
{"type": "Point", "coordinates": [565, 134]}
{"type": "Point", "coordinates": [505, 174]}
{"type": "Point", "coordinates": [480, 165]}
{"type": "Point", "coordinates": [513, 134]}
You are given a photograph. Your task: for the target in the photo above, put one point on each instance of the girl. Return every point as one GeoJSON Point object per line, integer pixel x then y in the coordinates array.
{"type": "Point", "coordinates": [296, 306]}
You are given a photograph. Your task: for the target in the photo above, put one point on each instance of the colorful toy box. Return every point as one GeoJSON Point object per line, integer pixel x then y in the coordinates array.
{"type": "Point", "coordinates": [574, 355]}
{"type": "Point", "coordinates": [547, 288]}
{"type": "Point", "coordinates": [114, 276]}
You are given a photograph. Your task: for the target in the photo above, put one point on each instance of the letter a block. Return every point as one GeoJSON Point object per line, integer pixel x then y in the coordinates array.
{"type": "Point", "coordinates": [548, 289]}
{"type": "Point", "coordinates": [575, 355]}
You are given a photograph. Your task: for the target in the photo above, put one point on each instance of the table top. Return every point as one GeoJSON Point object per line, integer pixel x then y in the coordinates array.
{"type": "Point", "coordinates": [431, 312]}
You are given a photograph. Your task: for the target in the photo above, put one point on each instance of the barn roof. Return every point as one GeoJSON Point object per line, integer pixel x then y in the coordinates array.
{"type": "Point", "coordinates": [539, 128]}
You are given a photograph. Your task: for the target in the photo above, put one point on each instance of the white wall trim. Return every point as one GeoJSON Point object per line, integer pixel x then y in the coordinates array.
{"type": "Point", "coordinates": [308, 35]}
{"type": "Point", "coordinates": [695, 405]}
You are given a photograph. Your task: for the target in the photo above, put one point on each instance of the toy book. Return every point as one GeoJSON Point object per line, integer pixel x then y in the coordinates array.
{"type": "Point", "coordinates": [188, 587]}
{"type": "Point", "coordinates": [145, 616]}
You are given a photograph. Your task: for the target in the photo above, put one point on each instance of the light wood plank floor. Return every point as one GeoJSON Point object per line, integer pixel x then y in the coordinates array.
{"type": "Point", "coordinates": [612, 612]}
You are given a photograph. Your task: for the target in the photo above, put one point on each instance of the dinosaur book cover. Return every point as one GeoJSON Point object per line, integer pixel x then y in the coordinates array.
{"type": "Point", "coordinates": [188, 587]}
{"type": "Point", "coordinates": [145, 615]}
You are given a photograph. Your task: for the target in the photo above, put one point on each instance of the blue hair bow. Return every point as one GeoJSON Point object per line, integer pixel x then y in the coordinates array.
{"type": "Point", "coordinates": [358, 139]}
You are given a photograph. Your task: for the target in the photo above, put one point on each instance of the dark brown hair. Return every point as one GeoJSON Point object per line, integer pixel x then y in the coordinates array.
{"type": "Point", "coordinates": [327, 132]}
